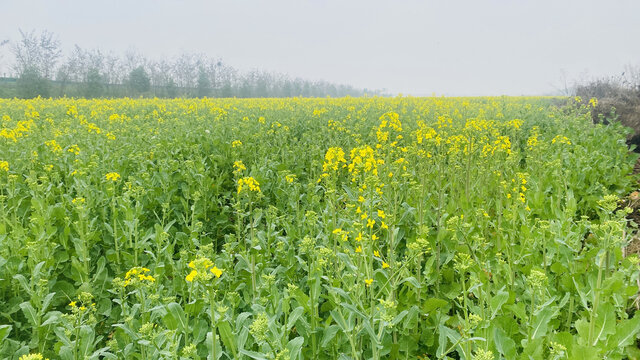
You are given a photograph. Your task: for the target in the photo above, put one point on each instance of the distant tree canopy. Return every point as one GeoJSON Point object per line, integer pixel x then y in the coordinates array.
{"type": "Point", "coordinates": [94, 84]}
{"type": "Point", "coordinates": [139, 80]}
{"type": "Point", "coordinates": [32, 84]}
{"type": "Point", "coordinates": [41, 70]}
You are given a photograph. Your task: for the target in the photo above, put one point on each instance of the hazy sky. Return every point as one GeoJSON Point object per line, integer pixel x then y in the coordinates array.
{"type": "Point", "coordinates": [466, 47]}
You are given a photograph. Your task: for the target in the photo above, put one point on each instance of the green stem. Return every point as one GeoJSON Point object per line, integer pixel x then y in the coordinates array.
{"type": "Point", "coordinates": [213, 324]}
{"type": "Point", "coordinates": [596, 303]}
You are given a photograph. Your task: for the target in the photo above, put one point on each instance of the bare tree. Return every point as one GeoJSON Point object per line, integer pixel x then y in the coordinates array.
{"type": "Point", "coordinates": [631, 76]}
{"type": "Point", "coordinates": [93, 73]}
{"type": "Point", "coordinates": [113, 73]}
{"type": "Point", "coordinates": [37, 53]}
{"type": "Point", "coordinates": [3, 43]}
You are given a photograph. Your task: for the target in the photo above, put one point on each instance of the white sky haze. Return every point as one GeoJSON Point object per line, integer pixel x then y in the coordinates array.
{"type": "Point", "coordinates": [466, 47]}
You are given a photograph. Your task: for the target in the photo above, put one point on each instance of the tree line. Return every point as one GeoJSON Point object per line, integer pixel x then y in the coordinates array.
{"type": "Point", "coordinates": [41, 69]}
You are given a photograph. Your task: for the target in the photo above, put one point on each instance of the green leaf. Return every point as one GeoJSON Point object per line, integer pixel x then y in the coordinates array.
{"type": "Point", "coordinates": [369, 329]}
{"type": "Point", "coordinates": [175, 318]}
{"type": "Point", "coordinates": [86, 345]}
{"type": "Point", "coordinates": [497, 301]}
{"type": "Point", "coordinates": [23, 282]}
{"type": "Point", "coordinates": [445, 336]}
{"type": "Point", "coordinates": [605, 323]}
{"type": "Point", "coordinates": [329, 333]}
{"type": "Point", "coordinates": [411, 321]}
{"type": "Point", "coordinates": [431, 304]}
{"type": "Point", "coordinates": [626, 333]}
{"type": "Point", "coordinates": [353, 310]}
{"type": "Point", "coordinates": [253, 354]}
{"type": "Point", "coordinates": [226, 335]}
{"type": "Point", "coordinates": [399, 317]}
{"type": "Point", "coordinates": [340, 320]}
{"type": "Point", "coordinates": [209, 341]}
{"type": "Point", "coordinates": [294, 316]}
{"type": "Point", "coordinates": [541, 322]}
{"type": "Point", "coordinates": [30, 313]}
{"type": "Point", "coordinates": [295, 347]}
{"type": "Point", "coordinates": [52, 317]}
{"type": "Point", "coordinates": [4, 332]}
{"type": "Point", "coordinates": [581, 352]}
{"type": "Point", "coordinates": [200, 329]}
{"type": "Point", "coordinates": [411, 280]}
{"type": "Point", "coordinates": [504, 344]}
{"type": "Point", "coordinates": [47, 301]}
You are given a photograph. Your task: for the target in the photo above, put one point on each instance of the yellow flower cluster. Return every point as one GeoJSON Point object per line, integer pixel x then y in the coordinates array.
{"type": "Point", "coordinates": [138, 275]}
{"type": "Point", "coordinates": [391, 119]}
{"type": "Point", "coordinates": [20, 129]}
{"type": "Point", "coordinates": [502, 143]}
{"type": "Point", "coordinates": [53, 146]}
{"type": "Point", "coordinates": [341, 233]}
{"type": "Point", "coordinates": [248, 183]}
{"type": "Point", "coordinates": [112, 176]}
{"type": "Point", "coordinates": [236, 143]}
{"type": "Point", "coordinates": [425, 132]}
{"type": "Point", "coordinates": [333, 158]}
{"type": "Point", "coordinates": [203, 270]}
{"type": "Point", "coordinates": [515, 123]}
{"type": "Point", "coordinates": [4, 165]}
{"type": "Point", "coordinates": [363, 160]}
{"type": "Point", "coordinates": [561, 140]}
{"type": "Point", "coordinates": [37, 356]}
{"type": "Point", "coordinates": [84, 303]}
{"type": "Point", "coordinates": [238, 167]}
{"type": "Point", "coordinates": [532, 141]}
{"type": "Point", "coordinates": [290, 178]}
{"type": "Point", "coordinates": [74, 149]}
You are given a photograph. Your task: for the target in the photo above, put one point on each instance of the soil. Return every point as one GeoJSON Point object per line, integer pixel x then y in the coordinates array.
{"type": "Point", "coordinates": [633, 201]}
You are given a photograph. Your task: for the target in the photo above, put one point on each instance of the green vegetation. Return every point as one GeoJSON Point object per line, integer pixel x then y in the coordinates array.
{"type": "Point", "coordinates": [405, 228]}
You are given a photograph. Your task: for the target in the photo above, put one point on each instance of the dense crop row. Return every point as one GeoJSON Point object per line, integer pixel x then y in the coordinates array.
{"type": "Point", "coordinates": [371, 228]}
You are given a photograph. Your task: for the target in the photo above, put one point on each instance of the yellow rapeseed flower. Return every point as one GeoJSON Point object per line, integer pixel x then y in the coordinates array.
{"type": "Point", "coordinates": [112, 176]}
{"type": "Point", "coordinates": [138, 275]}
{"type": "Point", "coordinates": [370, 223]}
{"type": "Point", "coordinates": [202, 270]}
{"type": "Point", "coordinates": [37, 356]}
{"type": "Point", "coordinates": [248, 183]}
{"type": "Point", "coordinates": [238, 166]}
{"type": "Point", "coordinates": [333, 159]}
{"type": "Point", "coordinates": [74, 149]}
{"type": "Point", "coordinates": [191, 275]}
{"type": "Point", "coordinates": [215, 271]}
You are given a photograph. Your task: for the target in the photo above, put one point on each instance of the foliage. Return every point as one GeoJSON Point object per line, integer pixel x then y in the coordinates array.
{"type": "Point", "coordinates": [93, 73]}
{"type": "Point", "coordinates": [441, 228]}
{"type": "Point", "coordinates": [139, 80]}
{"type": "Point", "coordinates": [94, 85]}
{"type": "Point", "coordinates": [204, 84]}
{"type": "Point", "coordinates": [31, 84]}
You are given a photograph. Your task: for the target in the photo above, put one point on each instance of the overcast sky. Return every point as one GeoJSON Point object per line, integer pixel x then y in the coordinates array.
{"type": "Point", "coordinates": [466, 47]}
